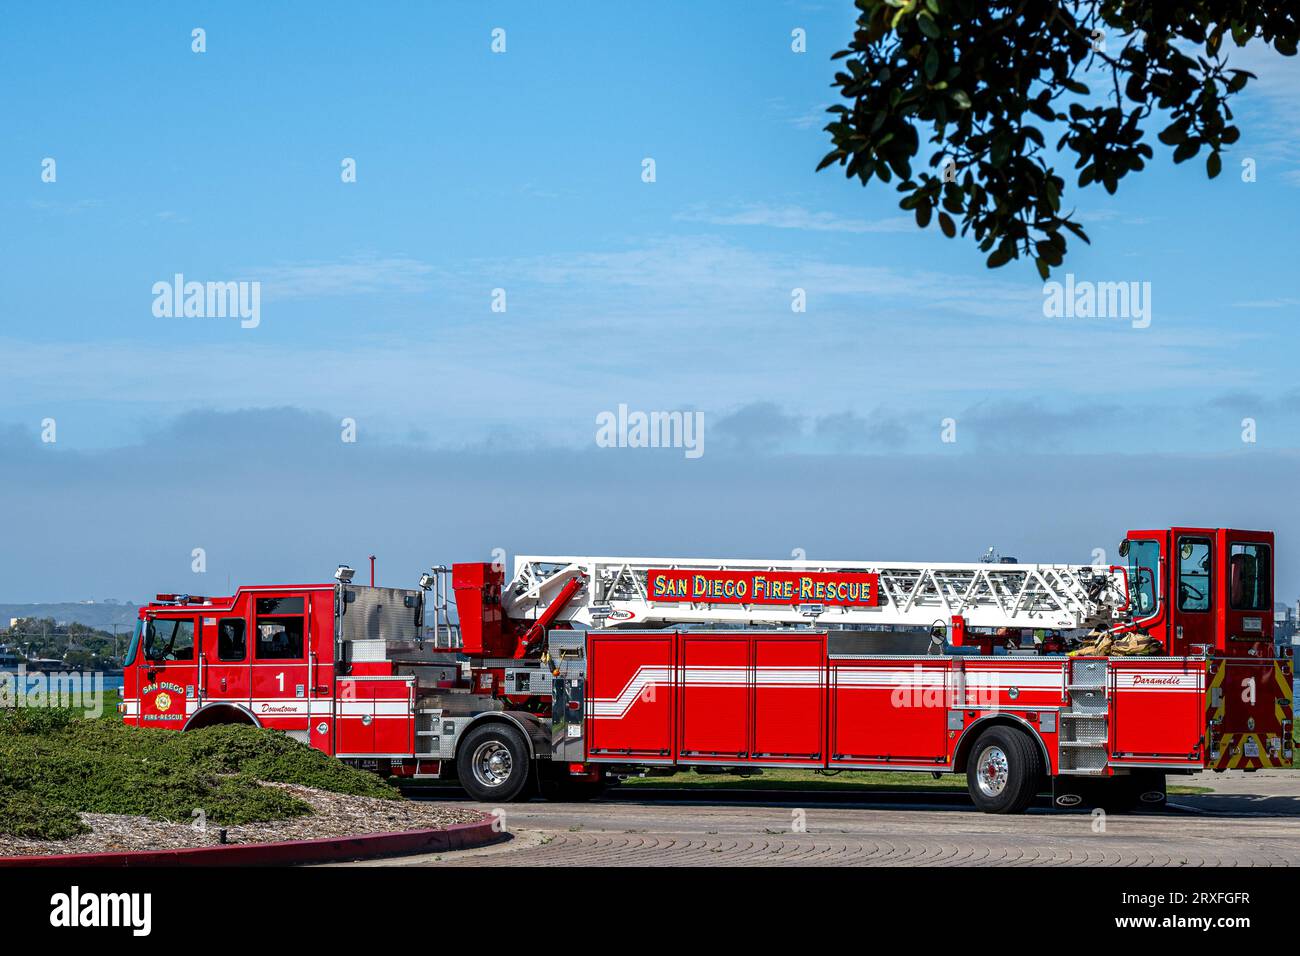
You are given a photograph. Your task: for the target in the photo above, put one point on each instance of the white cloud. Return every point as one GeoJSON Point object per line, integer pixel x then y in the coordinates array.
{"type": "Point", "coordinates": [706, 280]}
{"type": "Point", "coordinates": [356, 275]}
{"type": "Point", "coordinates": [64, 207]}
{"type": "Point", "coordinates": [1267, 109]}
{"type": "Point", "coordinates": [1280, 302]}
{"type": "Point", "coordinates": [669, 323]}
{"type": "Point", "coordinates": [792, 217]}
{"type": "Point", "coordinates": [133, 514]}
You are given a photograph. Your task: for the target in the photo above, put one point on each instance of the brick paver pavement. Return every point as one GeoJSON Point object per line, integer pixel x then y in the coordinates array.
{"type": "Point", "coordinates": [1252, 821]}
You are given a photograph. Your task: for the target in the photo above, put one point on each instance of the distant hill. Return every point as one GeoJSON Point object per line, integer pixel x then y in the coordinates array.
{"type": "Point", "coordinates": [96, 615]}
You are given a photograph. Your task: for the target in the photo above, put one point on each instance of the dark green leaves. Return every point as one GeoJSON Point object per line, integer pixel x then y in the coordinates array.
{"type": "Point", "coordinates": [987, 83]}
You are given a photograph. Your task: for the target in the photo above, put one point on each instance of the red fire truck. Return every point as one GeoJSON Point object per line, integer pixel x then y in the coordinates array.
{"type": "Point", "coordinates": [582, 670]}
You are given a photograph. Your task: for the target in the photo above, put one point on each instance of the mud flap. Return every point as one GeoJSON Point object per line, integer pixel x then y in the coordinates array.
{"type": "Point", "coordinates": [1140, 789]}
{"type": "Point", "coordinates": [1069, 793]}
{"type": "Point", "coordinates": [1156, 795]}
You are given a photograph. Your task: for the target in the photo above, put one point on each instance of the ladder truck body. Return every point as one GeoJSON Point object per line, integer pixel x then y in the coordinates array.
{"type": "Point", "coordinates": [579, 671]}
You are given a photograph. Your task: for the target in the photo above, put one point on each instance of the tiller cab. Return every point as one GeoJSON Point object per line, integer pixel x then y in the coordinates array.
{"type": "Point", "coordinates": [1088, 683]}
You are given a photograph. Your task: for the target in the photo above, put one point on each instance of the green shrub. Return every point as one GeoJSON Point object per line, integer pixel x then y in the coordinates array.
{"type": "Point", "coordinates": [35, 720]}
{"type": "Point", "coordinates": [54, 764]}
{"type": "Point", "coordinates": [23, 815]}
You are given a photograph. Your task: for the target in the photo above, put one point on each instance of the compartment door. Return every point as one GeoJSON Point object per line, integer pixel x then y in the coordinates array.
{"type": "Point", "coordinates": [715, 698]}
{"type": "Point", "coordinates": [890, 711]}
{"type": "Point", "coordinates": [394, 713]}
{"type": "Point", "coordinates": [1251, 704]}
{"type": "Point", "coordinates": [789, 699]}
{"type": "Point", "coordinates": [630, 697]}
{"type": "Point", "coordinates": [355, 718]}
{"type": "Point", "coordinates": [1157, 711]}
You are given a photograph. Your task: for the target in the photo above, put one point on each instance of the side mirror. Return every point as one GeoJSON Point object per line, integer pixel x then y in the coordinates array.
{"type": "Point", "coordinates": [1123, 548]}
{"type": "Point", "coordinates": [151, 652]}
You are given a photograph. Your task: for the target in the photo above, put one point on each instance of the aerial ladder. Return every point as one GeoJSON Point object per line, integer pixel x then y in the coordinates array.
{"type": "Point", "coordinates": [636, 592]}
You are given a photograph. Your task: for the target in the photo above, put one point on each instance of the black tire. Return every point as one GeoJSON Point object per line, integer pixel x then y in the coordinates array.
{"type": "Point", "coordinates": [493, 763]}
{"type": "Point", "coordinates": [1004, 771]}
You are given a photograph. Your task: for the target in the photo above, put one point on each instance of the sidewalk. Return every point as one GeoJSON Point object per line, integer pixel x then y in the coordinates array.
{"type": "Point", "coordinates": [1271, 792]}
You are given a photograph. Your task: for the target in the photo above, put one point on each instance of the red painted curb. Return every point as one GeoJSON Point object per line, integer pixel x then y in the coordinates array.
{"type": "Point", "coordinates": [459, 836]}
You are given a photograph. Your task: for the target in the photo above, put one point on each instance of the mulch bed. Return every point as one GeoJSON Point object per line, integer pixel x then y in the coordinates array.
{"type": "Point", "coordinates": [336, 815]}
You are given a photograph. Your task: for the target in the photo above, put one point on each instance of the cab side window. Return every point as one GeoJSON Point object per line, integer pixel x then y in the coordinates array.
{"type": "Point", "coordinates": [1143, 569]}
{"type": "Point", "coordinates": [1250, 577]}
{"type": "Point", "coordinates": [231, 642]}
{"type": "Point", "coordinates": [1194, 556]}
{"type": "Point", "coordinates": [280, 629]}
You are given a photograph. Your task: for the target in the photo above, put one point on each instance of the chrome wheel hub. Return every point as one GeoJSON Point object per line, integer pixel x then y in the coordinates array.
{"type": "Point", "coordinates": [991, 771]}
{"type": "Point", "coordinates": [492, 764]}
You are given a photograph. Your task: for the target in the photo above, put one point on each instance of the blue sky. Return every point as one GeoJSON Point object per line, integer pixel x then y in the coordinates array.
{"type": "Point", "coordinates": [522, 171]}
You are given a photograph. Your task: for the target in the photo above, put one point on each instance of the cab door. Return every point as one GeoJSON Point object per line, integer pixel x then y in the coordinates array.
{"type": "Point", "coordinates": [225, 661]}
{"type": "Point", "coordinates": [279, 681]}
{"type": "Point", "coordinates": [1247, 613]}
{"type": "Point", "coordinates": [1194, 596]}
{"type": "Point", "coordinates": [167, 674]}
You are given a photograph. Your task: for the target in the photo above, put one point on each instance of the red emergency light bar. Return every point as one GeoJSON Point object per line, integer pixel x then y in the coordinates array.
{"type": "Point", "coordinates": [180, 599]}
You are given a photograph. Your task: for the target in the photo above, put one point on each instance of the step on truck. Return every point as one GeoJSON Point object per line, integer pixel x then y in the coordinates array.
{"type": "Point", "coordinates": [1090, 683]}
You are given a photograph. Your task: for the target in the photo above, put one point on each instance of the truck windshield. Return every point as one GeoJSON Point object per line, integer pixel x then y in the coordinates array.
{"type": "Point", "coordinates": [1143, 566]}
{"type": "Point", "coordinates": [135, 643]}
{"type": "Point", "coordinates": [169, 640]}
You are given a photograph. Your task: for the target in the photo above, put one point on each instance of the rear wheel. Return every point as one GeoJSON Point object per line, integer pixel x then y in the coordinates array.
{"type": "Point", "coordinates": [493, 763]}
{"type": "Point", "coordinates": [1004, 772]}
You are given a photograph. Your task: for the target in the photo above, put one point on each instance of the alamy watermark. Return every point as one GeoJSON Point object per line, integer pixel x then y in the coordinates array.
{"type": "Point", "coordinates": [80, 690]}
{"type": "Point", "coordinates": [664, 429]}
{"type": "Point", "coordinates": [209, 300]}
{"type": "Point", "coordinates": [1083, 299]}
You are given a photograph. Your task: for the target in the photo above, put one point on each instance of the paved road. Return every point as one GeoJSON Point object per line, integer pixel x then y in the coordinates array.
{"type": "Point", "coordinates": [1250, 820]}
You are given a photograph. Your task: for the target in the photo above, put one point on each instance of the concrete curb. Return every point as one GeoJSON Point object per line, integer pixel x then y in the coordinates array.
{"type": "Point", "coordinates": [460, 836]}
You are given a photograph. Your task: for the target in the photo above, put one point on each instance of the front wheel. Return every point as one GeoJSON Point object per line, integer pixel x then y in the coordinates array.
{"type": "Point", "coordinates": [1004, 771]}
{"type": "Point", "coordinates": [493, 763]}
